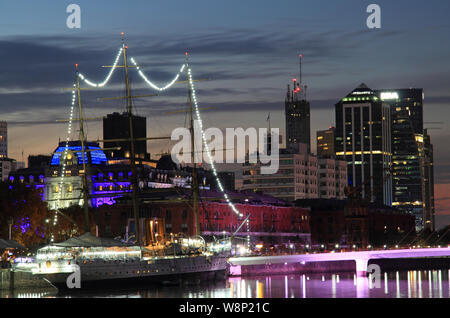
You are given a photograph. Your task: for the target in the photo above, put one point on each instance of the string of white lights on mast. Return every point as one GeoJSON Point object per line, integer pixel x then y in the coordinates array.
{"type": "Point", "coordinates": [62, 159]}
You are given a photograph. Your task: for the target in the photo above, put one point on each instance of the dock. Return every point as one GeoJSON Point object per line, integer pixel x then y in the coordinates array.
{"type": "Point", "coordinates": [18, 280]}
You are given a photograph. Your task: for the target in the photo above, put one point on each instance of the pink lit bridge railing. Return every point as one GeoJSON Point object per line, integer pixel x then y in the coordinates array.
{"type": "Point", "coordinates": [361, 258]}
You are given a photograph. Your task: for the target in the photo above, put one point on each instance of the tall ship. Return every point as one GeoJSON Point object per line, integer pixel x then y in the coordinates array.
{"type": "Point", "coordinates": [100, 260]}
{"type": "Point", "coordinates": [103, 260]}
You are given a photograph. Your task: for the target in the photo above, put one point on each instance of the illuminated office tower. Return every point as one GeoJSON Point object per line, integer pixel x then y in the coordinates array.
{"type": "Point", "coordinates": [412, 155]}
{"type": "Point", "coordinates": [363, 140]}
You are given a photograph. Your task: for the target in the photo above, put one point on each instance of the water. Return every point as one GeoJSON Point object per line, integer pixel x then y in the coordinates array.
{"type": "Point", "coordinates": [411, 284]}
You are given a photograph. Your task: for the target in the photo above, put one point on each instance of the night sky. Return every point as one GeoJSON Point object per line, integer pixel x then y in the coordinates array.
{"type": "Point", "coordinates": [247, 49]}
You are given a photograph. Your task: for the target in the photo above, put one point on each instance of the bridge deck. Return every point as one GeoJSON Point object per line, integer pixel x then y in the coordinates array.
{"type": "Point", "coordinates": [345, 256]}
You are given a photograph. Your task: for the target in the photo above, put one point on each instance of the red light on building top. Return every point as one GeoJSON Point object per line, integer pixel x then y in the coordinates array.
{"type": "Point", "coordinates": [300, 56]}
{"type": "Point", "coordinates": [294, 80]}
{"type": "Point", "coordinates": [76, 65]}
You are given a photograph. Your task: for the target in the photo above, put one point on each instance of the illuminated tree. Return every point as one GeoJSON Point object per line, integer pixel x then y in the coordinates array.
{"type": "Point", "coordinates": [24, 206]}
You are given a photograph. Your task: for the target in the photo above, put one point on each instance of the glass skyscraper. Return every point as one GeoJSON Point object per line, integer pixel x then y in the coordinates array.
{"type": "Point", "coordinates": [412, 155]}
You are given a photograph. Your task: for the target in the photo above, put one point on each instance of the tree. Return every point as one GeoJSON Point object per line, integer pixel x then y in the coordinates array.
{"type": "Point", "coordinates": [29, 214]}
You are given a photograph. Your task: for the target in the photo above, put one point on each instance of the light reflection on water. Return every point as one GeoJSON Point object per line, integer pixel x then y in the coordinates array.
{"type": "Point", "coordinates": [411, 284]}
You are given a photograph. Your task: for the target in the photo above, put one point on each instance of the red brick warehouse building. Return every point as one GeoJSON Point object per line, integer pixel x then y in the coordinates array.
{"type": "Point", "coordinates": [271, 220]}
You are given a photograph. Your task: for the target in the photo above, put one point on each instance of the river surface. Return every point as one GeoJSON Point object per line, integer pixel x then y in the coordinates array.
{"type": "Point", "coordinates": [403, 284]}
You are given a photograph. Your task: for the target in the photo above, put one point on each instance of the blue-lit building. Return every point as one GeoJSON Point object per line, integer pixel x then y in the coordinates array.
{"type": "Point", "coordinates": [62, 191]}
{"type": "Point", "coordinates": [32, 177]}
{"type": "Point", "coordinates": [107, 181]}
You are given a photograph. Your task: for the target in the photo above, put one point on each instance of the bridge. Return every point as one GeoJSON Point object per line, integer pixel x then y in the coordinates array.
{"type": "Point", "coordinates": [361, 258]}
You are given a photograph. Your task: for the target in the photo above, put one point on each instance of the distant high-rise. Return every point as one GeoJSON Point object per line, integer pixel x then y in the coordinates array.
{"type": "Point", "coordinates": [428, 184]}
{"type": "Point", "coordinates": [3, 139]}
{"type": "Point", "coordinates": [325, 143]}
{"type": "Point", "coordinates": [411, 155]}
{"type": "Point", "coordinates": [117, 126]}
{"type": "Point", "coordinates": [363, 139]}
{"type": "Point", "coordinates": [297, 110]}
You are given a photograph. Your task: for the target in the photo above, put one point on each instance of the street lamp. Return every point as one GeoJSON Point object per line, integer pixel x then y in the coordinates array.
{"type": "Point", "coordinates": [47, 230]}
{"type": "Point", "coordinates": [10, 223]}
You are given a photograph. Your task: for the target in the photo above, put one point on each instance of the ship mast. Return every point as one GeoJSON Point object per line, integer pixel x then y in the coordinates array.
{"type": "Point", "coordinates": [132, 150]}
{"type": "Point", "coordinates": [87, 225]}
{"type": "Point", "coordinates": [195, 188]}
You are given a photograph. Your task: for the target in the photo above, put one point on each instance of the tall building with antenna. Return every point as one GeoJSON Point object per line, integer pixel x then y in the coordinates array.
{"type": "Point", "coordinates": [297, 111]}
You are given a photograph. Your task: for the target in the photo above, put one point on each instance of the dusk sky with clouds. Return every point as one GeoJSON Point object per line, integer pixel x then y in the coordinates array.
{"type": "Point", "coordinates": [248, 49]}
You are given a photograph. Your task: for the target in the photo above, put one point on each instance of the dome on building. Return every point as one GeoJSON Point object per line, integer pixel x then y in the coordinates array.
{"type": "Point", "coordinates": [95, 155]}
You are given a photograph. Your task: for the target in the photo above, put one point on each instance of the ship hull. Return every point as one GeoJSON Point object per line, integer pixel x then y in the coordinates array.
{"type": "Point", "coordinates": [97, 273]}
{"type": "Point", "coordinates": [175, 279]}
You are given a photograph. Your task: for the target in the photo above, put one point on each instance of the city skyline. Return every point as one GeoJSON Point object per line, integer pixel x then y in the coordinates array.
{"type": "Point", "coordinates": [250, 65]}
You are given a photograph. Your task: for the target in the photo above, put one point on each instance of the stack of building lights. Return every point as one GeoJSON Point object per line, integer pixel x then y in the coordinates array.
{"type": "Point", "coordinates": [163, 88]}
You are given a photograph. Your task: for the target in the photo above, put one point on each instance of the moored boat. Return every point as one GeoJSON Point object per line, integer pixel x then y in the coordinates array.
{"type": "Point", "coordinates": [98, 260]}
